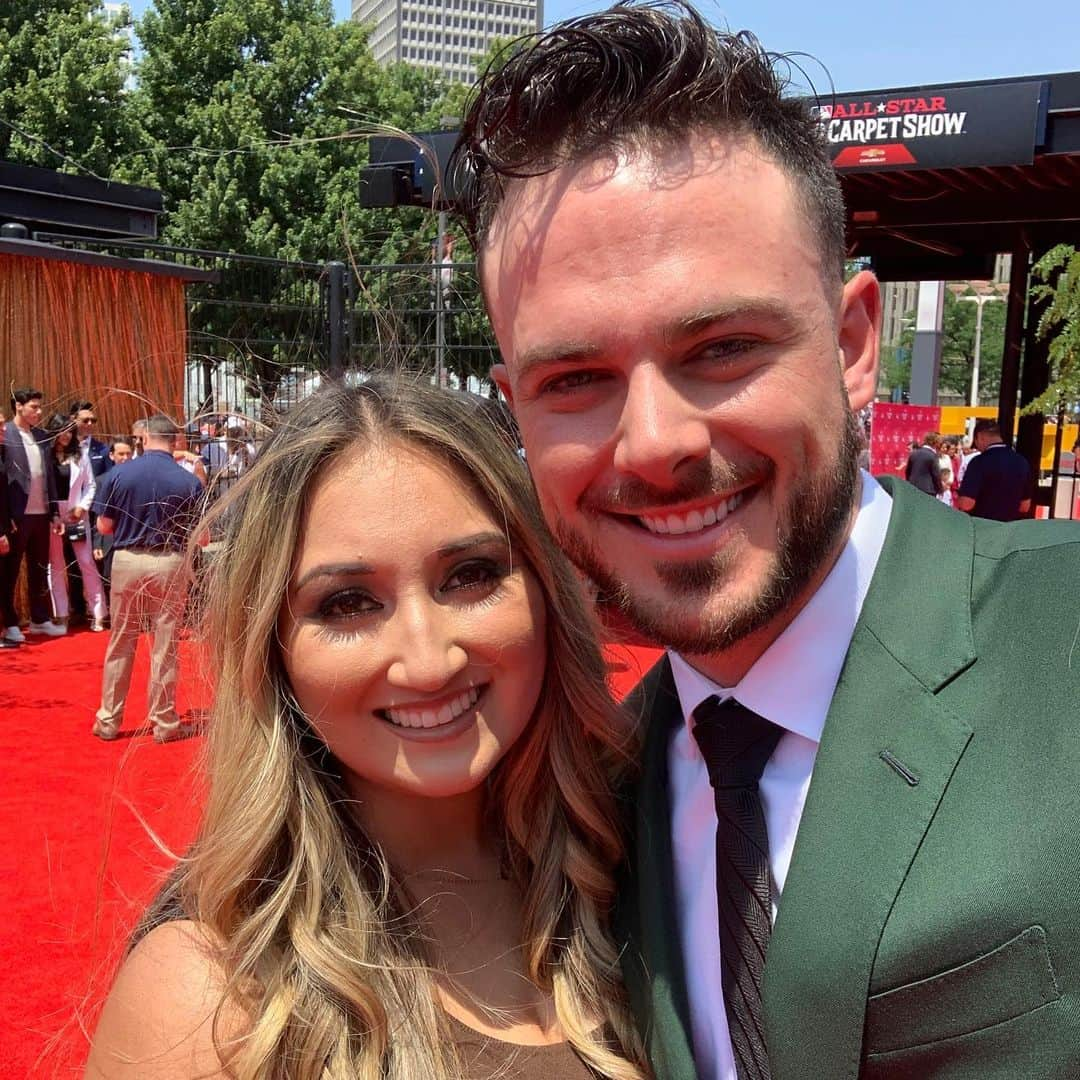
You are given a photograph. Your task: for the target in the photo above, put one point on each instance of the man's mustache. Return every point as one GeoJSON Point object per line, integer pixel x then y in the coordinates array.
{"type": "Point", "coordinates": [700, 480]}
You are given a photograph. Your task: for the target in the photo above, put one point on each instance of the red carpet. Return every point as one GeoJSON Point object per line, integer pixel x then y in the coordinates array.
{"type": "Point", "coordinates": [78, 864]}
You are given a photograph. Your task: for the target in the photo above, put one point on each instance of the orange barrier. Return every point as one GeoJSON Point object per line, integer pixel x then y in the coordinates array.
{"type": "Point", "coordinates": [953, 418]}
{"type": "Point", "coordinates": [116, 337]}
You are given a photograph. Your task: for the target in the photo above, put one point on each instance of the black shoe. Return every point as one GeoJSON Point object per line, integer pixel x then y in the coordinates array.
{"type": "Point", "coordinates": [5, 644]}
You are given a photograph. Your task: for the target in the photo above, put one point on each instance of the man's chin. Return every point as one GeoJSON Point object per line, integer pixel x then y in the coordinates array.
{"type": "Point", "coordinates": [700, 622]}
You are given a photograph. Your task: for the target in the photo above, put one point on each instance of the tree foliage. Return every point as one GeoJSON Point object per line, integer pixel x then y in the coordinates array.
{"type": "Point", "coordinates": [958, 326]}
{"type": "Point", "coordinates": [252, 117]}
{"type": "Point", "coordinates": [63, 67]}
{"type": "Point", "coordinates": [1058, 274]}
{"type": "Point", "coordinates": [257, 114]}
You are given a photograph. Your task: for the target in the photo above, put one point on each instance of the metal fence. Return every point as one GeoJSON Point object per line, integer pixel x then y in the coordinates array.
{"type": "Point", "coordinates": [264, 332]}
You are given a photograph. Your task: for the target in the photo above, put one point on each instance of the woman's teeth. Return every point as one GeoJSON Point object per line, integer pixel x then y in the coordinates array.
{"type": "Point", "coordinates": [424, 718]}
{"type": "Point", "coordinates": [695, 521]}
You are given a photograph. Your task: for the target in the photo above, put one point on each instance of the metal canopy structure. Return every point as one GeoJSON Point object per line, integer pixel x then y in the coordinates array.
{"type": "Point", "coordinates": [997, 171]}
{"type": "Point", "coordinates": [44, 199]}
{"type": "Point", "coordinates": [926, 216]}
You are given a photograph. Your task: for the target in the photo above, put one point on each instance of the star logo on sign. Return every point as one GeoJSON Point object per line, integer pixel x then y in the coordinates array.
{"type": "Point", "coordinates": [881, 106]}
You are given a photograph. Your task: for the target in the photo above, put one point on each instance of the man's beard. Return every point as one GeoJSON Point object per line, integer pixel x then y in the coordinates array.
{"type": "Point", "coordinates": [808, 531]}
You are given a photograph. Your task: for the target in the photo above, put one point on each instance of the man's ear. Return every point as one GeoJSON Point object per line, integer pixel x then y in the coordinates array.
{"type": "Point", "coordinates": [860, 338]}
{"type": "Point", "coordinates": [501, 377]}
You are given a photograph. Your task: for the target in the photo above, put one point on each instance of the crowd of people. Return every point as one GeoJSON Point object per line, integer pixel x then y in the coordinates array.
{"type": "Point", "coordinates": [101, 529]}
{"type": "Point", "coordinates": [999, 487]}
{"type": "Point", "coordinates": [822, 838]}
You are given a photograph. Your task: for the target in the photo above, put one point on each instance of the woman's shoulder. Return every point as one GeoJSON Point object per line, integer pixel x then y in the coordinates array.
{"type": "Point", "coordinates": [161, 1016]}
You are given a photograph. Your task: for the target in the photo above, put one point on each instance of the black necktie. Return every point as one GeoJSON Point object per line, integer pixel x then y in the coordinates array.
{"type": "Point", "coordinates": [736, 743]}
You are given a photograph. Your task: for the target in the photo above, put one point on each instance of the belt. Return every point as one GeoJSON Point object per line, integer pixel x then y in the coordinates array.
{"type": "Point", "coordinates": [140, 550]}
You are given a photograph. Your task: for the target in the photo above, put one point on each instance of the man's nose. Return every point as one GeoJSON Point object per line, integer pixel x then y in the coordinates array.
{"type": "Point", "coordinates": [427, 655]}
{"type": "Point", "coordinates": [660, 431]}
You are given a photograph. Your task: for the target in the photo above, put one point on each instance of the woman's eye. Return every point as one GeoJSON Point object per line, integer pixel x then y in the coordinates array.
{"type": "Point", "coordinates": [473, 575]}
{"type": "Point", "coordinates": [347, 604]}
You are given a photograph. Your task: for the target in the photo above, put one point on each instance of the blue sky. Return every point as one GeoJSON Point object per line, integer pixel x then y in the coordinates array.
{"type": "Point", "coordinates": [865, 46]}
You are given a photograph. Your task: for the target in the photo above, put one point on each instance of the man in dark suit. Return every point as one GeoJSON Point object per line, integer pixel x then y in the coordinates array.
{"type": "Point", "coordinates": [855, 849]}
{"type": "Point", "coordinates": [31, 504]}
{"type": "Point", "coordinates": [5, 528]}
{"type": "Point", "coordinates": [923, 469]}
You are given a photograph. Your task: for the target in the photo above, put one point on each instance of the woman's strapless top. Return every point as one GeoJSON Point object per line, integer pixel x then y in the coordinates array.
{"type": "Point", "coordinates": [486, 1058]}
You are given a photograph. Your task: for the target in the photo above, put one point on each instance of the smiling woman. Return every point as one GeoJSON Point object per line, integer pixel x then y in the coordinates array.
{"type": "Point", "coordinates": [406, 864]}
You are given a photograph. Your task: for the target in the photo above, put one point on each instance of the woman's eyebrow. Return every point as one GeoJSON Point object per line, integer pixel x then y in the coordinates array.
{"type": "Point", "coordinates": [348, 569]}
{"type": "Point", "coordinates": [468, 543]}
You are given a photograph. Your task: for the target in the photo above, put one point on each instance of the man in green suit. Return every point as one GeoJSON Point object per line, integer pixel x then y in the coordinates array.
{"type": "Point", "coordinates": [856, 840]}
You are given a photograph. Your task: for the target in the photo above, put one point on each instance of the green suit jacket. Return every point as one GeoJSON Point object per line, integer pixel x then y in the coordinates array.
{"type": "Point", "coordinates": [930, 922]}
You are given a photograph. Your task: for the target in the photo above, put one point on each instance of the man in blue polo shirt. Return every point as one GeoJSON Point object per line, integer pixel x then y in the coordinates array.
{"type": "Point", "coordinates": [997, 483]}
{"type": "Point", "coordinates": [149, 508]}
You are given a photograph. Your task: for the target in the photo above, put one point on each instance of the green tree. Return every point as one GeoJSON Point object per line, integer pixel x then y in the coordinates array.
{"type": "Point", "coordinates": [1058, 274]}
{"type": "Point", "coordinates": [63, 67]}
{"type": "Point", "coordinates": [256, 114]}
{"type": "Point", "coordinates": [256, 111]}
{"type": "Point", "coordinates": [958, 324]}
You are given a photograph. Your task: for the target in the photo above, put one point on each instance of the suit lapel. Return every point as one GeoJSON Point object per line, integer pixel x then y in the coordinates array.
{"type": "Point", "coordinates": [866, 814]}
{"type": "Point", "coordinates": [653, 963]}
{"type": "Point", "coordinates": [16, 450]}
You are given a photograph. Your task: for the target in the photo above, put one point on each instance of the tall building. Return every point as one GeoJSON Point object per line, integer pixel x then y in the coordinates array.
{"type": "Point", "coordinates": [446, 35]}
{"type": "Point", "coordinates": [120, 14]}
{"type": "Point", "coordinates": [898, 300]}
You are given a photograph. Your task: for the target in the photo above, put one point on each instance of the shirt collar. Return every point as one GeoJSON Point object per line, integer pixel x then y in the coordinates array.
{"type": "Point", "coordinates": [793, 681]}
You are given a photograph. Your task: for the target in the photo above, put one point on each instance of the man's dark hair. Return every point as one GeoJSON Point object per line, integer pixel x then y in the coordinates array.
{"type": "Point", "coordinates": [23, 395]}
{"type": "Point", "coordinates": [119, 442]}
{"type": "Point", "coordinates": [986, 426]}
{"type": "Point", "coordinates": [931, 438]}
{"type": "Point", "coordinates": [640, 77]}
{"type": "Point", "coordinates": [161, 425]}
{"type": "Point", "coordinates": [78, 406]}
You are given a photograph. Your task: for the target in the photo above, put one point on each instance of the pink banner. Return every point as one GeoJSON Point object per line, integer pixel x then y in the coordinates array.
{"type": "Point", "coordinates": [893, 428]}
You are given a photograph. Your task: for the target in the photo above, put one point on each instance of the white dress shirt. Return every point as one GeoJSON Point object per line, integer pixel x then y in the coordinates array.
{"type": "Point", "coordinates": [791, 684]}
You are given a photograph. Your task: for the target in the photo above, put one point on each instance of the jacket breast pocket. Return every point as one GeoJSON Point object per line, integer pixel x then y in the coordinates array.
{"type": "Point", "coordinates": [1007, 982]}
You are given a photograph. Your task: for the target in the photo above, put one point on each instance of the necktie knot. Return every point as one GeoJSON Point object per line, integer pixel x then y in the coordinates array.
{"type": "Point", "coordinates": [735, 742]}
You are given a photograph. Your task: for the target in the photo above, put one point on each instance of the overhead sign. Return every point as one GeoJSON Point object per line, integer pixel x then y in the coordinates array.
{"type": "Point", "coordinates": [939, 128]}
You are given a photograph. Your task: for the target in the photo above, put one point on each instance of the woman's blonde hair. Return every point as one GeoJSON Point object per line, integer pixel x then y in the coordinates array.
{"type": "Point", "coordinates": [316, 941]}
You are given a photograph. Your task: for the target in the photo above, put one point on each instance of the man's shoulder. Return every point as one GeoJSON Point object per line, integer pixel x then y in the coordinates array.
{"type": "Point", "coordinates": [1040, 541]}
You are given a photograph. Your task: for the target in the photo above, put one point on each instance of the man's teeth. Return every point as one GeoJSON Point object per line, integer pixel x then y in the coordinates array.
{"type": "Point", "coordinates": [435, 717]}
{"type": "Point", "coordinates": [695, 521]}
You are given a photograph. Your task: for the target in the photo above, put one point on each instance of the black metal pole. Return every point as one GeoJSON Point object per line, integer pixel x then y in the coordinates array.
{"type": "Point", "coordinates": [1034, 379]}
{"type": "Point", "coordinates": [1057, 462]}
{"type": "Point", "coordinates": [336, 343]}
{"type": "Point", "coordinates": [1014, 338]}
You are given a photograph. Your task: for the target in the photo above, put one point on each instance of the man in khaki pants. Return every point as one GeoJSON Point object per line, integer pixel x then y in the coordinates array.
{"type": "Point", "coordinates": [149, 508]}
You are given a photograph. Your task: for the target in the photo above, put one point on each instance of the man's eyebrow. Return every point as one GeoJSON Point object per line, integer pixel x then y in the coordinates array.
{"type": "Point", "coordinates": [559, 354]}
{"type": "Point", "coordinates": [703, 319]}
{"type": "Point", "coordinates": [555, 354]}
{"type": "Point", "coordinates": [348, 569]}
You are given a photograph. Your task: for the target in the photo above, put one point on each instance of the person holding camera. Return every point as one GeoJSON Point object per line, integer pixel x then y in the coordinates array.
{"type": "Point", "coordinates": [75, 489]}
